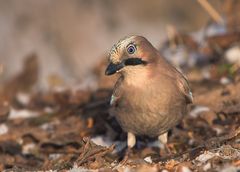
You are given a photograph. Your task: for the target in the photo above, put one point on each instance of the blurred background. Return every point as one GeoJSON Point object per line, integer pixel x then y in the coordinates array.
{"type": "Point", "coordinates": [71, 37]}
{"type": "Point", "coordinates": [54, 96]}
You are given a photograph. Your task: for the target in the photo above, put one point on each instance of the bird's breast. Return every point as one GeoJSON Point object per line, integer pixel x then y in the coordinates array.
{"type": "Point", "coordinates": [148, 107]}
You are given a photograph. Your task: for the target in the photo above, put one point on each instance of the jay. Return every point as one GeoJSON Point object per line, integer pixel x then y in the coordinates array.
{"type": "Point", "coordinates": [151, 95]}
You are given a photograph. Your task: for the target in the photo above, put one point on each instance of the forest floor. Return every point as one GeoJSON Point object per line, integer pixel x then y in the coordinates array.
{"type": "Point", "coordinates": [70, 129]}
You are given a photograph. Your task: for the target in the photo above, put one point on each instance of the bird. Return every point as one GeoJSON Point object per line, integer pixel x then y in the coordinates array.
{"type": "Point", "coordinates": [150, 96]}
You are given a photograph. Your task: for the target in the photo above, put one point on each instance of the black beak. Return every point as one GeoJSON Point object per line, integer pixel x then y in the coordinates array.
{"type": "Point", "coordinates": [113, 68]}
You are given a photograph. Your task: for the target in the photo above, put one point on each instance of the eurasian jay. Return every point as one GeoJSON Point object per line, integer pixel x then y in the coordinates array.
{"type": "Point", "coordinates": [151, 96]}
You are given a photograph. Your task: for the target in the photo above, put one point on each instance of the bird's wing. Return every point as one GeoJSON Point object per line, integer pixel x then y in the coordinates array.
{"type": "Point", "coordinates": [181, 82]}
{"type": "Point", "coordinates": [184, 88]}
{"type": "Point", "coordinates": [180, 79]}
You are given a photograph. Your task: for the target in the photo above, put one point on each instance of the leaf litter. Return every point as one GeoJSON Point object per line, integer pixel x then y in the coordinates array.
{"type": "Point", "coordinates": [70, 129]}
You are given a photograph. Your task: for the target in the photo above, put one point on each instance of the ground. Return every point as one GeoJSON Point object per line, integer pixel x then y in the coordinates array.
{"type": "Point", "coordinates": [70, 129]}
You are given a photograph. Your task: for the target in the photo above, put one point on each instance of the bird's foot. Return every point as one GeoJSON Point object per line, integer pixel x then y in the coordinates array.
{"type": "Point", "coordinates": [131, 141]}
{"type": "Point", "coordinates": [164, 149]}
{"type": "Point", "coordinates": [126, 156]}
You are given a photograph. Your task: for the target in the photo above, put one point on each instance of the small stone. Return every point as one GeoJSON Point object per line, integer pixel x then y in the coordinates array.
{"type": "Point", "coordinates": [225, 81]}
{"type": "Point", "coordinates": [148, 159]}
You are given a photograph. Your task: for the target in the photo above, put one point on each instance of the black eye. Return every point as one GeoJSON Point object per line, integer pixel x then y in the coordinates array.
{"type": "Point", "coordinates": [131, 49]}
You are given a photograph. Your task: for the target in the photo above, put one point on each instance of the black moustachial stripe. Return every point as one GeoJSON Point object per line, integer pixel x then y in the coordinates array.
{"type": "Point", "coordinates": [113, 68]}
{"type": "Point", "coordinates": [134, 61]}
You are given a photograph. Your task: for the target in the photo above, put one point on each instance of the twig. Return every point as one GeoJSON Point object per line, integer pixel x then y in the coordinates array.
{"type": "Point", "coordinates": [60, 152]}
{"type": "Point", "coordinates": [99, 153]}
{"type": "Point", "coordinates": [171, 34]}
{"type": "Point", "coordinates": [211, 11]}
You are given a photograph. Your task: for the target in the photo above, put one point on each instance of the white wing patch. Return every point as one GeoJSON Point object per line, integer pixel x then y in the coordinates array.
{"type": "Point", "coordinates": [191, 95]}
{"type": "Point", "coordinates": [113, 98]}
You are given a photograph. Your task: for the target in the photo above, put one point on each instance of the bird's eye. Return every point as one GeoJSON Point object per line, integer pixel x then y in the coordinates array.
{"type": "Point", "coordinates": [131, 49]}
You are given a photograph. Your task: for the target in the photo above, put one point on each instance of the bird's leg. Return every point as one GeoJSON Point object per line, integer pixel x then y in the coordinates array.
{"type": "Point", "coordinates": [131, 141]}
{"type": "Point", "coordinates": [163, 138]}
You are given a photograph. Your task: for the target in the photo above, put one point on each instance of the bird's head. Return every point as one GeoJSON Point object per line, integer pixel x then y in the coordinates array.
{"type": "Point", "coordinates": [129, 53]}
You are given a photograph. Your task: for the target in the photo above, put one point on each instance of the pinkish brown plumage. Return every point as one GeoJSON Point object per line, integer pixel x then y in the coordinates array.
{"type": "Point", "coordinates": [150, 96]}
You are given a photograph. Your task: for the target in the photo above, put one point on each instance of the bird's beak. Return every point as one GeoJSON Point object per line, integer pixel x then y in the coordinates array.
{"type": "Point", "coordinates": [113, 68]}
